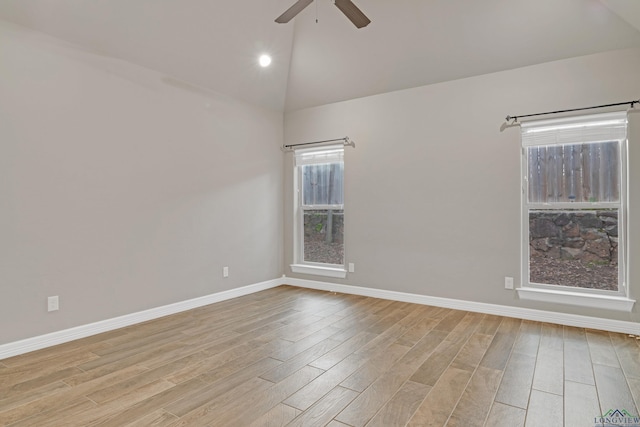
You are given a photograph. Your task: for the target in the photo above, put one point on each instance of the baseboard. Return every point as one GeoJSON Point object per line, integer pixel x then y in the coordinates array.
{"type": "Point", "coordinates": [499, 310]}
{"type": "Point", "coordinates": [66, 335]}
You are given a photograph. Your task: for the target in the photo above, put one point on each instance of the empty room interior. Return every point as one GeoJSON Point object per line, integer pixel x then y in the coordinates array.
{"type": "Point", "coordinates": [320, 213]}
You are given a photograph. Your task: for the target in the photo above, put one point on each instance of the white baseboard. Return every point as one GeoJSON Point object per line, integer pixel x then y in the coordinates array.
{"type": "Point", "coordinates": [66, 335]}
{"type": "Point", "coordinates": [479, 307]}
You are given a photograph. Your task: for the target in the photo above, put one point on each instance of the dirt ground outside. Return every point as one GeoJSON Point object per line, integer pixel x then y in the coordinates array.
{"type": "Point", "coordinates": [319, 248]}
{"type": "Point", "coordinates": [573, 273]}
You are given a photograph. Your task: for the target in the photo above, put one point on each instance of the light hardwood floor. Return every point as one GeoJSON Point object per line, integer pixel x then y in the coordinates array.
{"type": "Point", "coordinates": [298, 357]}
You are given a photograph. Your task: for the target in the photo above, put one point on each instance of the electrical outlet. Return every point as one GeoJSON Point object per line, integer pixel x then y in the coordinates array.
{"type": "Point", "coordinates": [508, 282]}
{"type": "Point", "coordinates": [53, 303]}
{"type": "Point", "coordinates": [225, 271]}
{"type": "Point", "coordinates": [352, 267]}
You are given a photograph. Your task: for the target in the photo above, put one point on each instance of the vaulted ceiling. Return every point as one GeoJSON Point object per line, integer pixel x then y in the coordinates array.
{"type": "Point", "coordinates": [320, 57]}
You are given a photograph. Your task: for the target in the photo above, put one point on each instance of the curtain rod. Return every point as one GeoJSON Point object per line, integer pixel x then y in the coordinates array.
{"type": "Point", "coordinates": [345, 141]}
{"type": "Point", "coordinates": [631, 103]}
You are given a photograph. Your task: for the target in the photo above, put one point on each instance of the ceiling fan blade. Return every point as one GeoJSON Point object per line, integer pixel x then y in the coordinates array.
{"type": "Point", "coordinates": [352, 12]}
{"type": "Point", "coordinates": [290, 13]}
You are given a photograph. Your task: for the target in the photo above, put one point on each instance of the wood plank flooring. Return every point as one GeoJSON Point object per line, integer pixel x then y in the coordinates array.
{"type": "Point", "coordinates": [299, 357]}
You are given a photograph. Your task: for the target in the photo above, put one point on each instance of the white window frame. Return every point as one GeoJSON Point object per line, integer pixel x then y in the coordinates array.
{"type": "Point", "coordinates": [608, 127]}
{"type": "Point", "coordinates": [308, 156]}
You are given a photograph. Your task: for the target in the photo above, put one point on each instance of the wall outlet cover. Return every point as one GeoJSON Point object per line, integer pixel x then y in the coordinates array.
{"type": "Point", "coordinates": [508, 282]}
{"type": "Point", "coordinates": [53, 303]}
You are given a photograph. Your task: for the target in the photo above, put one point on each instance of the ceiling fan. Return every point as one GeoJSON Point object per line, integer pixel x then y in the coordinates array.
{"type": "Point", "coordinates": [347, 7]}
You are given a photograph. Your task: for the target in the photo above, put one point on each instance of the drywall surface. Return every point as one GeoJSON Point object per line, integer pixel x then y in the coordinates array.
{"type": "Point", "coordinates": [122, 189]}
{"type": "Point", "coordinates": [432, 188]}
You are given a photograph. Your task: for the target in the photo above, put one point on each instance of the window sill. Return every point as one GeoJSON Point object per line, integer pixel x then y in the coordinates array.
{"type": "Point", "coordinates": [339, 273]}
{"type": "Point", "coordinates": [573, 298]}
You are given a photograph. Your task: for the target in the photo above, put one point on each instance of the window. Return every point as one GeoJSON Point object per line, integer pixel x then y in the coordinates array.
{"type": "Point", "coordinates": [319, 216]}
{"type": "Point", "coordinates": [574, 210]}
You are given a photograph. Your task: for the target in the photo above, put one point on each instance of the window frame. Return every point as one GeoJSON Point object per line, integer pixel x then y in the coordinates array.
{"type": "Point", "coordinates": [299, 264]}
{"type": "Point", "coordinates": [596, 298]}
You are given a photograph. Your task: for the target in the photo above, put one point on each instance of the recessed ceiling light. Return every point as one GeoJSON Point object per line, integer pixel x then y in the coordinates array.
{"type": "Point", "coordinates": [264, 60]}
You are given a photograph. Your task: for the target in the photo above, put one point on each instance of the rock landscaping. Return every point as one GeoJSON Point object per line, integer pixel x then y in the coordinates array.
{"type": "Point", "coordinates": [574, 248]}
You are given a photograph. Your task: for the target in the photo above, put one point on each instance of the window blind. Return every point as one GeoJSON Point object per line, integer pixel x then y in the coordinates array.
{"type": "Point", "coordinates": [573, 130]}
{"type": "Point", "coordinates": [315, 156]}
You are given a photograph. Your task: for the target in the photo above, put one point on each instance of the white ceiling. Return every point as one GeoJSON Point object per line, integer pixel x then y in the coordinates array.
{"type": "Point", "coordinates": [215, 44]}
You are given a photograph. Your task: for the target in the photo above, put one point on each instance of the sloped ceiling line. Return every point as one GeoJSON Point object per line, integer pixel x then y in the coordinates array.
{"type": "Point", "coordinates": [215, 45]}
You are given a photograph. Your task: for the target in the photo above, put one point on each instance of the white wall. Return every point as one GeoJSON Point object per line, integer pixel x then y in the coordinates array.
{"type": "Point", "coordinates": [432, 189]}
{"type": "Point", "coordinates": [121, 190]}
